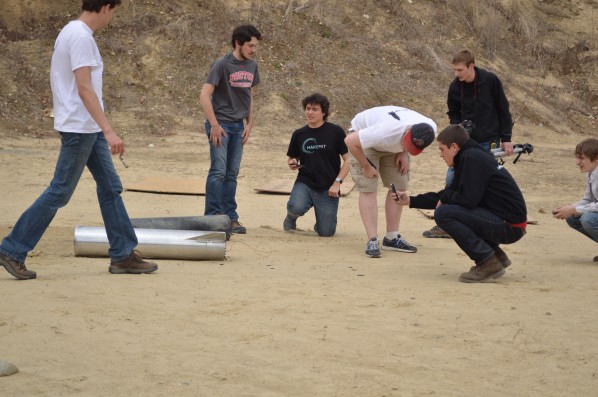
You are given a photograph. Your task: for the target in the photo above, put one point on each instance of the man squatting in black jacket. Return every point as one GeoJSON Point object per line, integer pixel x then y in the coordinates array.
{"type": "Point", "coordinates": [482, 208]}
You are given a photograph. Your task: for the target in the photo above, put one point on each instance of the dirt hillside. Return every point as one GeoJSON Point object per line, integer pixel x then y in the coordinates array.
{"type": "Point", "coordinates": [359, 53]}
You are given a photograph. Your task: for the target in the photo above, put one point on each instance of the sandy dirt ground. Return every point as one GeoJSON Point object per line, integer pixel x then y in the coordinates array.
{"type": "Point", "coordinates": [294, 314]}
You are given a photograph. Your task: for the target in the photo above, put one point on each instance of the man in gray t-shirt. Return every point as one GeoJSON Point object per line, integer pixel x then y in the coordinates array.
{"type": "Point", "coordinates": [227, 100]}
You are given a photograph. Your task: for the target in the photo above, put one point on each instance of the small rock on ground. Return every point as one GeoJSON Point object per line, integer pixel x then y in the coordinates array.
{"type": "Point", "coordinates": [7, 368]}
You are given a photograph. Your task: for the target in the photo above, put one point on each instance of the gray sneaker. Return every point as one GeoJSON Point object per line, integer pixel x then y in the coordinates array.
{"type": "Point", "coordinates": [372, 248]}
{"type": "Point", "coordinates": [436, 232]}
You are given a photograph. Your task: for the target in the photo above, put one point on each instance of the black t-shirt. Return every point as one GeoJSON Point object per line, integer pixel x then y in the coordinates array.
{"type": "Point", "coordinates": [318, 150]}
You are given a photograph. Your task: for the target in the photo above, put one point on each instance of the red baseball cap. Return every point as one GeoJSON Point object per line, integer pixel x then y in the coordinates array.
{"type": "Point", "coordinates": [417, 138]}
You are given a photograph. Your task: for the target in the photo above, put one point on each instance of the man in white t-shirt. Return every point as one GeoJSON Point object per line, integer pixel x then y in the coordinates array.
{"type": "Point", "coordinates": [380, 142]}
{"type": "Point", "coordinates": [87, 140]}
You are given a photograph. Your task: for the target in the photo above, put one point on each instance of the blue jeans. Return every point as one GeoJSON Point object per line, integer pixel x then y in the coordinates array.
{"type": "Point", "coordinates": [76, 152]}
{"type": "Point", "coordinates": [326, 207]}
{"type": "Point", "coordinates": [450, 173]}
{"type": "Point", "coordinates": [478, 232]}
{"type": "Point", "coordinates": [225, 162]}
{"type": "Point", "coordinates": [586, 223]}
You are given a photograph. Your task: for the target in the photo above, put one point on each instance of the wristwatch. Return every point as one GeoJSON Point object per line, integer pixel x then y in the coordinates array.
{"type": "Point", "coordinates": [339, 180]}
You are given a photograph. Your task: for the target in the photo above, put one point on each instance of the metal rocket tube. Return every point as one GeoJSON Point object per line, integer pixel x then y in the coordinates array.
{"type": "Point", "coordinates": [218, 223]}
{"type": "Point", "coordinates": [156, 243]}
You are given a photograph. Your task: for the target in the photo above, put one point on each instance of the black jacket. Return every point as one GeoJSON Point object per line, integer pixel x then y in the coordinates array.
{"type": "Point", "coordinates": [479, 182]}
{"type": "Point", "coordinates": [492, 116]}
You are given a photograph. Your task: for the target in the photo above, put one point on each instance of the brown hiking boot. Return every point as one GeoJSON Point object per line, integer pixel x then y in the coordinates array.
{"type": "Point", "coordinates": [491, 268]}
{"type": "Point", "coordinates": [436, 232]}
{"type": "Point", "coordinates": [596, 258]}
{"type": "Point", "coordinates": [133, 264]}
{"type": "Point", "coordinates": [17, 269]}
{"type": "Point", "coordinates": [502, 257]}
{"type": "Point", "coordinates": [237, 228]}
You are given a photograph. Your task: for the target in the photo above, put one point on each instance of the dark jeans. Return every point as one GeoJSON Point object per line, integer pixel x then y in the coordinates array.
{"type": "Point", "coordinates": [77, 152]}
{"type": "Point", "coordinates": [326, 207]}
{"type": "Point", "coordinates": [478, 232]}
{"type": "Point", "coordinates": [586, 223]}
{"type": "Point", "coordinates": [225, 163]}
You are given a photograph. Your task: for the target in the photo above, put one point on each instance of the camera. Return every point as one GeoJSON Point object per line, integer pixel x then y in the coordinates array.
{"type": "Point", "coordinates": [469, 125]}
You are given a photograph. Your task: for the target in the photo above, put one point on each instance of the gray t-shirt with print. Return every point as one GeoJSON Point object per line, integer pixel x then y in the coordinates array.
{"type": "Point", "coordinates": [232, 80]}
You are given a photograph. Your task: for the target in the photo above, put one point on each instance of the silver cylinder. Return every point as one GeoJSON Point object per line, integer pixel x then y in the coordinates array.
{"type": "Point", "coordinates": [156, 243]}
{"type": "Point", "coordinates": [217, 223]}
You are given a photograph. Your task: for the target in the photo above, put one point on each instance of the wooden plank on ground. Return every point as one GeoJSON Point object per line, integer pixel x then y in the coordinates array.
{"type": "Point", "coordinates": [168, 185]}
{"type": "Point", "coordinates": [284, 186]}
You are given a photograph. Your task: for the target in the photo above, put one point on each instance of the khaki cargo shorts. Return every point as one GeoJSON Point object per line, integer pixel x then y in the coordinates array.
{"type": "Point", "coordinates": [388, 172]}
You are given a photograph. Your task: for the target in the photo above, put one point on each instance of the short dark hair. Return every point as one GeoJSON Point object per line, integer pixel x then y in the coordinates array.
{"type": "Point", "coordinates": [244, 33]}
{"type": "Point", "coordinates": [587, 147]}
{"type": "Point", "coordinates": [454, 133]}
{"type": "Point", "coordinates": [317, 99]}
{"type": "Point", "coordinates": [465, 57]}
{"type": "Point", "coordinates": [96, 5]}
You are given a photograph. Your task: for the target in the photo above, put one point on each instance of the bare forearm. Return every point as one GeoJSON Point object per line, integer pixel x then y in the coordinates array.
{"type": "Point", "coordinates": [249, 118]}
{"type": "Point", "coordinates": [208, 109]}
{"type": "Point", "coordinates": [354, 146]}
{"type": "Point", "coordinates": [92, 104]}
{"type": "Point", "coordinates": [344, 171]}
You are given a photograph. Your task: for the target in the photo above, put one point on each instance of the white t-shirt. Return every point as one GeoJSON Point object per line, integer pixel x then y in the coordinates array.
{"type": "Point", "coordinates": [75, 47]}
{"type": "Point", "coordinates": [382, 128]}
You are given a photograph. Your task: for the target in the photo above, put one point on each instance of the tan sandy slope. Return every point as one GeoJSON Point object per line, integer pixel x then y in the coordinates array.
{"type": "Point", "coordinates": [294, 314]}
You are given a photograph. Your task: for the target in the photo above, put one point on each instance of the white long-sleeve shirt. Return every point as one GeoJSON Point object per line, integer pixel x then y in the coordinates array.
{"type": "Point", "coordinates": [589, 202]}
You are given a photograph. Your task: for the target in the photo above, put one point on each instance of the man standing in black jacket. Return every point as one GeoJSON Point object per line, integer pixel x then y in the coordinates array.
{"type": "Point", "coordinates": [476, 99]}
{"type": "Point", "coordinates": [482, 208]}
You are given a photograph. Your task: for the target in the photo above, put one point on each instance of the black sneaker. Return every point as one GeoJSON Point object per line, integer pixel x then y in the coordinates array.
{"type": "Point", "coordinates": [237, 228]}
{"type": "Point", "coordinates": [17, 269]}
{"type": "Point", "coordinates": [134, 263]}
{"type": "Point", "coordinates": [398, 244]}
